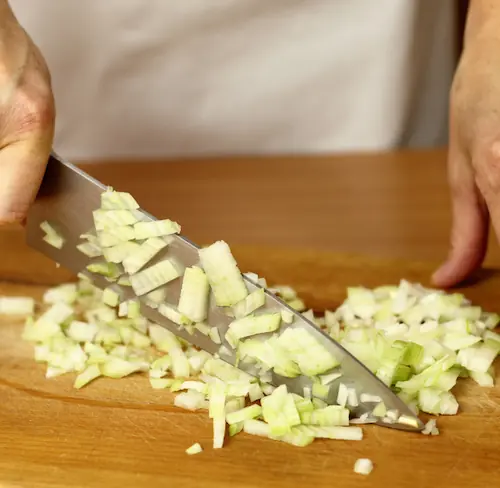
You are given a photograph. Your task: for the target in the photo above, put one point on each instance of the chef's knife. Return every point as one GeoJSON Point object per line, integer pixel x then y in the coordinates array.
{"type": "Point", "coordinates": [66, 200]}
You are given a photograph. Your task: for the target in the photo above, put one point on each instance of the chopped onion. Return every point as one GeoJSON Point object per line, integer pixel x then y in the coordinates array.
{"type": "Point", "coordinates": [223, 274]}
{"type": "Point", "coordinates": [153, 277]}
{"type": "Point", "coordinates": [193, 302]}
{"type": "Point", "coordinates": [363, 466]}
{"type": "Point", "coordinates": [156, 228]}
{"type": "Point", "coordinates": [52, 237]}
{"type": "Point", "coordinates": [17, 305]}
{"type": "Point", "coordinates": [416, 340]}
{"type": "Point", "coordinates": [115, 200]}
{"type": "Point", "coordinates": [194, 449]}
{"type": "Point", "coordinates": [143, 254]}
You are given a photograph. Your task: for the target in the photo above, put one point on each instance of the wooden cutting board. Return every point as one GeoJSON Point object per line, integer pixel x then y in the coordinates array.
{"type": "Point", "coordinates": [121, 433]}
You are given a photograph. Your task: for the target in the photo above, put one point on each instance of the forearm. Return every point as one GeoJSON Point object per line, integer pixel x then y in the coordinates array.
{"type": "Point", "coordinates": [483, 21]}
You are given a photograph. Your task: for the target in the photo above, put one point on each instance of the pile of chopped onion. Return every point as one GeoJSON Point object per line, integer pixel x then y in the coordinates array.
{"type": "Point", "coordinates": [417, 341]}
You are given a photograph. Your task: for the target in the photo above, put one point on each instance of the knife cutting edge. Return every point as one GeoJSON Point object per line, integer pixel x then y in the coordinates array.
{"type": "Point", "coordinates": [67, 198]}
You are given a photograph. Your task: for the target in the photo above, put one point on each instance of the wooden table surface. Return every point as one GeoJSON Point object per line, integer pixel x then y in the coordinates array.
{"type": "Point", "coordinates": [319, 224]}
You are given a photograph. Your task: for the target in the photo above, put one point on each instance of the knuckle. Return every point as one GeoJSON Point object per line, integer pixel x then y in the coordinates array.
{"type": "Point", "coordinates": [461, 182]}
{"type": "Point", "coordinates": [34, 112]}
{"type": "Point", "coordinates": [12, 217]}
{"type": "Point", "coordinates": [487, 163]}
{"type": "Point", "coordinates": [462, 189]}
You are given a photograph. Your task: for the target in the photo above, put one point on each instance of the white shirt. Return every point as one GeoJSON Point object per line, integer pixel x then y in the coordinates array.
{"type": "Point", "coordinates": [183, 77]}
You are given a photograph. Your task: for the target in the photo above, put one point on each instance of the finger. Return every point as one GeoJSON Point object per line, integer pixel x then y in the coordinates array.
{"type": "Point", "coordinates": [469, 235]}
{"type": "Point", "coordinates": [22, 166]}
{"type": "Point", "coordinates": [486, 161]}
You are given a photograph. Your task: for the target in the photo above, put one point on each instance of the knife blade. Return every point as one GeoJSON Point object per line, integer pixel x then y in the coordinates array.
{"type": "Point", "coordinates": [67, 198]}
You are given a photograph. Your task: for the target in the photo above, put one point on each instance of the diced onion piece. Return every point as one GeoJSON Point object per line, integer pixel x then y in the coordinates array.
{"type": "Point", "coordinates": [180, 363]}
{"type": "Point", "coordinates": [217, 399]}
{"type": "Point", "coordinates": [194, 449]}
{"type": "Point", "coordinates": [193, 301]}
{"type": "Point", "coordinates": [297, 304]}
{"type": "Point", "coordinates": [286, 292]}
{"type": "Point", "coordinates": [367, 398]}
{"type": "Point", "coordinates": [153, 277]}
{"type": "Point", "coordinates": [67, 293]}
{"type": "Point", "coordinates": [287, 316]}
{"type": "Point", "coordinates": [327, 379]}
{"type": "Point", "coordinates": [109, 219]}
{"type": "Point", "coordinates": [214, 335]}
{"type": "Point", "coordinates": [115, 200]}
{"type": "Point", "coordinates": [320, 391]}
{"type": "Point", "coordinates": [52, 237]}
{"type": "Point", "coordinates": [160, 367]}
{"type": "Point", "coordinates": [311, 356]}
{"type": "Point", "coordinates": [256, 427]}
{"type": "Point", "coordinates": [143, 254]}
{"type": "Point", "coordinates": [219, 426]}
{"type": "Point", "coordinates": [156, 297]}
{"type": "Point", "coordinates": [119, 368]}
{"type": "Point", "coordinates": [279, 411]}
{"type": "Point", "coordinates": [252, 325]}
{"type": "Point", "coordinates": [156, 228]}
{"type": "Point", "coordinates": [90, 249]}
{"type": "Point", "coordinates": [110, 270]}
{"type": "Point", "coordinates": [430, 428]}
{"type": "Point", "coordinates": [235, 428]}
{"type": "Point", "coordinates": [333, 415]}
{"type": "Point", "coordinates": [124, 281]}
{"type": "Point", "coordinates": [477, 358]}
{"type": "Point", "coordinates": [120, 251]}
{"type": "Point", "coordinates": [483, 379]}
{"type": "Point", "coordinates": [115, 236]}
{"type": "Point", "coordinates": [87, 375]}
{"type": "Point", "coordinates": [223, 274]}
{"type": "Point", "coordinates": [133, 309]}
{"type": "Point", "coordinates": [408, 420]}
{"type": "Point", "coordinates": [191, 400]}
{"type": "Point", "coordinates": [342, 395]}
{"type": "Point", "coordinates": [17, 305]}
{"type": "Point", "coordinates": [224, 371]}
{"type": "Point", "coordinates": [82, 331]}
{"type": "Point", "coordinates": [352, 398]}
{"type": "Point", "coordinates": [297, 436]}
{"type": "Point", "coordinates": [110, 297]}
{"type": "Point", "coordinates": [174, 315]}
{"type": "Point", "coordinates": [363, 466]}
{"type": "Point", "coordinates": [246, 413]}
{"type": "Point", "coordinates": [160, 383]}
{"type": "Point", "coordinates": [252, 302]}
{"type": "Point", "coordinates": [437, 402]}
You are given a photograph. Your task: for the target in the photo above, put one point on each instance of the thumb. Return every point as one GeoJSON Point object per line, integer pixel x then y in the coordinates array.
{"type": "Point", "coordinates": [22, 166]}
{"type": "Point", "coordinates": [469, 235]}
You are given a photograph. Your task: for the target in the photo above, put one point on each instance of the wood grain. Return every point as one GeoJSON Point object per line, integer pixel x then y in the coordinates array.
{"type": "Point", "coordinates": [389, 205]}
{"type": "Point", "coordinates": [288, 218]}
{"type": "Point", "coordinates": [124, 434]}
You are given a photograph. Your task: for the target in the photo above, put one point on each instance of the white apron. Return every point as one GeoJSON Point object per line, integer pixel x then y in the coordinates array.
{"type": "Point", "coordinates": [169, 78]}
